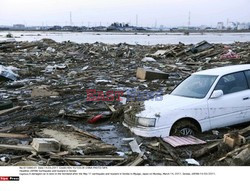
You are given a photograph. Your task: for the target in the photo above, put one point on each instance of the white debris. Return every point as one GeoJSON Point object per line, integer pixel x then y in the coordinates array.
{"type": "Point", "coordinates": [192, 162]}
{"type": "Point", "coordinates": [85, 68]}
{"type": "Point", "coordinates": [148, 59]}
{"type": "Point", "coordinates": [7, 72]}
{"type": "Point", "coordinates": [50, 49]}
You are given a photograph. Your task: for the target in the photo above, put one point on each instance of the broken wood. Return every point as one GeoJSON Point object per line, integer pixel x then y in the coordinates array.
{"type": "Point", "coordinates": [80, 131]}
{"type": "Point", "coordinates": [98, 147]}
{"type": "Point", "coordinates": [91, 158]}
{"type": "Point", "coordinates": [147, 74]}
{"type": "Point", "coordinates": [171, 152]}
{"type": "Point", "coordinates": [243, 157]}
{"type": "Point", "coordinates": [27, 148]}
{"type": "Point", "coordinates": [157, 149]}
{"type": "Point", "coordinates": [205, 150]}
{"type": "Point", "coordinates": [233, 152]}
{"type": "Point", "coordinates": [244, 131]}
{"type": "Point", "coordinates": [111, 107]}
{"type": "Point", "coordinates": [6, 111]}
{"type": "Point", "coordinates": [137, 161]}
{"type": "Point", "coordinates": [12, 135]}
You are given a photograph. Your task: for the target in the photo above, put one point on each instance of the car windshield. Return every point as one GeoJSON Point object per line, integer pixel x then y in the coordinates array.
{"type": "Point", "coordinates": [195, 86]}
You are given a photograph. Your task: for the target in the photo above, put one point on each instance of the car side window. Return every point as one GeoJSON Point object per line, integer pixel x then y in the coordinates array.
{"type": "Point", "coordinates": [248, 76]}
{"type": "Point", "coordinates": [232, 83]}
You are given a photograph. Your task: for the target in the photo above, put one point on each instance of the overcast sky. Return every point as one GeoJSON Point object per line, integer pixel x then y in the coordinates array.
{"type": "Point", "coordinates": [150, 12]}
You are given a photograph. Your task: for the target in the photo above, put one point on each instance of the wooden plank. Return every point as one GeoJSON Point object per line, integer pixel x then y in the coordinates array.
{"type": "Point", "coordinates": [245, 130]}
{"type": "Point", "coordinates": [80, 131]}
{"type": "Point", "coordinates": [110, 107]}
{"type": "Point", "coordinates": [91, 158]}
{"type": "Point", "coordinates": [205, 150]}
{"type": "Point", "coordinates": [171, 152]}
{"type": "Point", "coordinates": [137, 161]}
{"type": "Point", "coordinates": [18, 147]}
{"type": "Point", "coordinates": [233, 152]}
{"type": "Point", "coordinates": [6, 111]}
{"type": "Point", "coordinates": [157, 149]}
{"type": "Point", "coordinates": [12, 135]}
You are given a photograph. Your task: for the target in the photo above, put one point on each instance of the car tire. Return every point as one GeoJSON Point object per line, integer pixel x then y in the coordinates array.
{"type": "Point", "coordinates": [7, 104]}
{"type": "Point", "coordinates": [184, 127]}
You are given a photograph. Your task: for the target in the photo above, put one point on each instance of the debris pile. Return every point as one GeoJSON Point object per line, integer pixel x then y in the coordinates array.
{"type": "Point", "coordinates": [47, 118]}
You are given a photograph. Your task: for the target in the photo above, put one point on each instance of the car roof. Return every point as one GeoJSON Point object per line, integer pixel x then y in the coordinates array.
{"type": "Point", "coordinates": [220, 71]}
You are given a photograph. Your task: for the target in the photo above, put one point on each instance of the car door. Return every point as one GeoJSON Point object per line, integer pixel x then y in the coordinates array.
{"type": "Point", "coordinates": [246, 112]}
{"type": "Point", "coordinates": [230, 108]}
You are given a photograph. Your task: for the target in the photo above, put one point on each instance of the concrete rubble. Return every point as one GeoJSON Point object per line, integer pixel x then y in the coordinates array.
{"type": "Point", "coordinates": [46, 119]}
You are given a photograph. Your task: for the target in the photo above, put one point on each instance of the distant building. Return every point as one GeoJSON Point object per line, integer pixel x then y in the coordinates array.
{"type": "Point", "coordinates": [232, 26]}
{"type": "Point", "coordinates": [242, 26]}
{"type": "Point", "coordinates": [220, 25]}
{"type": "Point", "coordinates": [19, 26]}
{"type": "Point", "coordinates": [56, 28]}
{"type": "Point", "coordinates": [99, 28]}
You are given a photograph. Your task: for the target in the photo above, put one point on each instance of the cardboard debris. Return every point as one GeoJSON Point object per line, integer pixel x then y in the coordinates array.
{"type": "Point", "coordinates": [147, 74]}
{"type": "Point", "coordinates": [45, 145]}
{"type": "Point", "coordinates": [42, 91]}
{"type": "Point", "coordinates": [234, 139]}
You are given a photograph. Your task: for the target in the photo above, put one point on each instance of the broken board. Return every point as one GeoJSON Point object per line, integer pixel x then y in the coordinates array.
{"type": "Point", "coordinates": [183, 141]}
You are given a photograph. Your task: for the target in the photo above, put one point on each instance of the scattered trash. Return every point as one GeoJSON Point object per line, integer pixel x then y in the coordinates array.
{"type": "Point", "coordinates": [49, 93]}
{"type": "Point", "coordinates": [230, 55]}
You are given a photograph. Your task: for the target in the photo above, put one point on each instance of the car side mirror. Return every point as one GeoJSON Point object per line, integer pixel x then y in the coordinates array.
{"type": "Point", "coordinates": [217, 94]}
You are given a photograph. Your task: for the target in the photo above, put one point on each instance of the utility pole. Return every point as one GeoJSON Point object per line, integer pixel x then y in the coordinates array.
{"type": "Point", "coordinates": [155, 23]}
{"type": "Point", "coordinates": [189, 19]}
{"type": "Point", "coordinates": [70, 19]}
{"type": "Point", "coordinates": [136, 20]}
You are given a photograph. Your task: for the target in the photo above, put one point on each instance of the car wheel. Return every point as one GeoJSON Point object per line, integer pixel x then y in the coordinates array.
{"type": "Point", "coordinates": [6, 104]}
{"type": "Point", "coordinates": [184, 128]}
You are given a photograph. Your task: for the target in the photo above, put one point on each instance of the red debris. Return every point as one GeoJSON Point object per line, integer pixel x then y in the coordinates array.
{"type": "Point", "coordinates": [95, 118]}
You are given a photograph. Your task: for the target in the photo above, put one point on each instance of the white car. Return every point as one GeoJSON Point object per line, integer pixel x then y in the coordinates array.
{"type": "Point", "coordinates": [206, 100]}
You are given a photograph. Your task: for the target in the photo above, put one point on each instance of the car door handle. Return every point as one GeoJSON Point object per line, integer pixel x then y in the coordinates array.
{"type": "Point", "coordinates": [245, 98]}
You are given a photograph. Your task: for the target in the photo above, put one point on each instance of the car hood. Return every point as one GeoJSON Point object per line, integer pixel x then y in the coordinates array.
{"type": "Point", "coordinates": [152, 108]}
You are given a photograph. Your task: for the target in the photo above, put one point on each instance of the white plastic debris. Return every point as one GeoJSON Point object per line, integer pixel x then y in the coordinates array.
{"type": "Point", "coordinates": [148, 59]}
{"type": "Point", "coordinates": [85, 68]}
{"type": "Point", "coordinates": [123, 100]}
{"type": "Point", "coordinates": [50, 49]}
{"type": "Point", "coordinates": [192, 162]}
{"type": "Point", "coordinates": [7, 72]}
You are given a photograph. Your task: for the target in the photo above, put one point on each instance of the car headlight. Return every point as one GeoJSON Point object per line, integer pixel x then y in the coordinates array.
{"type": "Point", "coordinates": [146, 122]}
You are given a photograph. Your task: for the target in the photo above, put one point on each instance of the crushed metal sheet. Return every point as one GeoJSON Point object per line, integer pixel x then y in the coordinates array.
{"type": "Point", "coordinates": [181, 141]}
